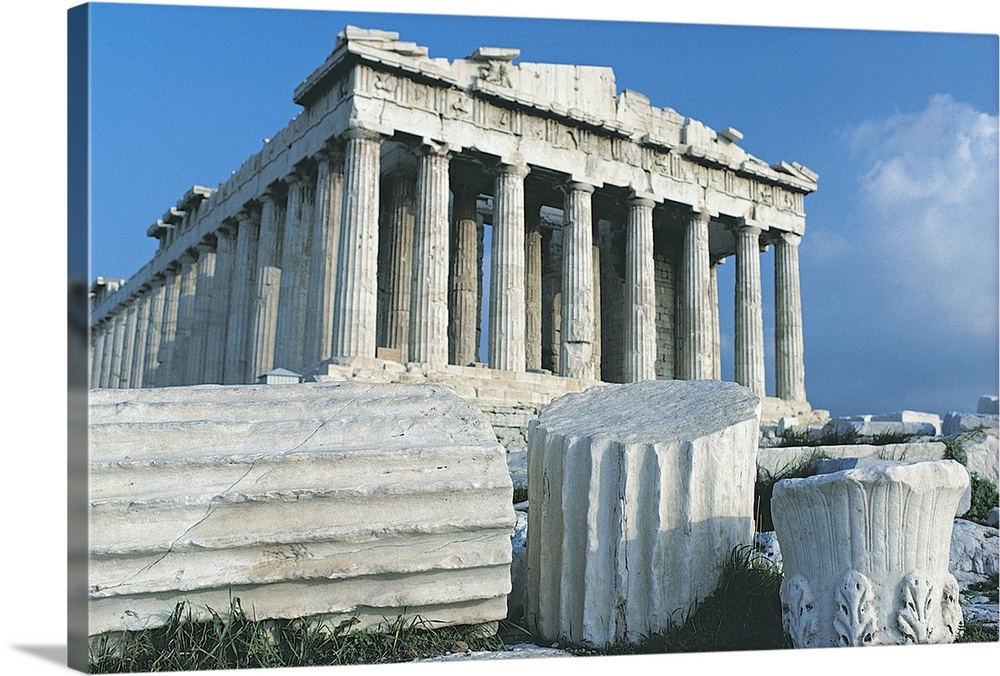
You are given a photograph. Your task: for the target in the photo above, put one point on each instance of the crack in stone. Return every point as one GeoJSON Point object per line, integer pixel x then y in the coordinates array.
{"type": "Point", "coordinates": [216, 500]}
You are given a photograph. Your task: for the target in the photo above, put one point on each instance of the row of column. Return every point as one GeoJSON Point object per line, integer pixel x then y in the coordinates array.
{"type": "Point", "coordinates": [295, 280]}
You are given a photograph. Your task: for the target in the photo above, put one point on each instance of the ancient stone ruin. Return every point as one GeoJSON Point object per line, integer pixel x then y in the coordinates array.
{"type": "Point", "coordinates": [355, 236]}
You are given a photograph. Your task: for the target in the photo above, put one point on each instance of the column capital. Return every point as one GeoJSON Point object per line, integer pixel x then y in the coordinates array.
{"type": "Point", "coordinates": [745, 225]}
{"type": "Point", "coordinates": [519, 169]}
{"type": "Point", "coordinates": [577, 186]}
{"type": "Point", "coordinates": [700, 214]}
{"type": "Point", "coordinates": [429, 146]}
{"type": "Point", "coordinates": [789, 238]}
{"type": "Point", "coordinates": [361, 133]}
{"type": "Point", "coordinates": [638, 199]}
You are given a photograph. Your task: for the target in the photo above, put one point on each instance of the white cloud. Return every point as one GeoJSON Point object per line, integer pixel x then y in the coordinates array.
{"type": "Point", "coordinates": [929, 198]}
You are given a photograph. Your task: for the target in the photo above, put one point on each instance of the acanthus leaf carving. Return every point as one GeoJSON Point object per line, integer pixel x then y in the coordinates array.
{"type": "Point", "coordinates": [951, 610]}
{"type": "Point", "coordinates": [855, 619]}
{"type": "Point", "coordinates": [915, 599]}
{"type": "Point", "coordinates": [798, 614]}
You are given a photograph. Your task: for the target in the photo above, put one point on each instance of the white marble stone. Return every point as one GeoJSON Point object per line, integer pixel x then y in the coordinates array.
{"type": "Point", "coordinates": [635, 509]}
{"type": "Point", "coordinates": [323, 501]}
{"type": "Point", "coordinates": [988, 404]}
{"type": "Point", "coordinates": [911, 417]}
{"type": "Point", "coordinates": [956, 423]}
{"type": "Point", "coordinates": [865, 554]}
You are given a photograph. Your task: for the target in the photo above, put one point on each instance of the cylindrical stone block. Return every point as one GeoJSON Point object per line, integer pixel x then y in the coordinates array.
{"type": "Point", "coordinates": [219, 311]}
{"type": "Point", "coordinates": [168, 334]}
{"type": "Point", "coordinates": [865, 554]}
{"type": "Point", "coordinates": [429, 293]}
{"type": "Point", "coordinates": [401, 224]}
{"type": "Point", "coordinates": [141, 337]}
{"type": "Point", "coordinates": [640, 293]}
{"type": "Point", "coordinates": [203, 302]}
{"type": "Point", "coordinates": [635, 509]}
{"type": "Point", "coordinates": [749, 329]}
{"type": "Point", "coordinates": [268, 277]}
{"type": "Point", "coordinates": [323, 265]}
{"type": "Point", "coordinates": [243, 301]}
{"type": "Point", "coordinates": [789, 366]}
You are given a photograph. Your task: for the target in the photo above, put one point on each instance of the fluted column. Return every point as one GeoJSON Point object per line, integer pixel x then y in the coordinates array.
{"type": "Point", "coordinates": [243, 300]}
{"type": "Point", "coordinates": [640, 292]}
{"type": "Point", "coordinates": [141, 337]}
{"type": "Point", "coordinates": [185, 318]}
{"type": "Point", "coordinates": [323, 265]}
{"type": "Point", "coordinates": [463, 317]}
{"type": "Point", "coordinates": [295, 255]}
{"type": "Point", "coordinates": [117, 349]}
{"type": "Point", "coordinates": [219, 311]}
{"type": "Point", "coordinates": [505, 346]}
{"type": "Point", "coordinates": [713, 305]}
{"type": "Point", "coordinates": [268, 287]}
{"type": "Point", "coordinates": [696, 316]}
{"type": "Point", "coordinates": [532, 286]}
{"type": "Point", "coordinates": [749, 329]}
{"type": "Point", "coordinates": [400, 259]}
{"type": "Point", "coordinates": [789, 367]}
{"type": "Point", "coordinates": [204, 298]}
{"type": "Point", "coordinates": [128, 349]}
{"type": "Point", "coordinates": [577, 334]}
{"type": "Point", "coordinates": [168, 334]}
{"type": "Point", "coordinates": [356, 296]}
{"type": "Point", "coordinates": [598, 326]}
{"type": "Point", "coordinates": [429, 295]}
{"type": "Point", "coordinates": [98, 333]}
{"type": "Point", "coordinates": [155, 331]}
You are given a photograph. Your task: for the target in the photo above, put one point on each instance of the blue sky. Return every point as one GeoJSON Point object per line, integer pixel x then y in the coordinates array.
{"type": "Point", "coordinates": [900, 258]}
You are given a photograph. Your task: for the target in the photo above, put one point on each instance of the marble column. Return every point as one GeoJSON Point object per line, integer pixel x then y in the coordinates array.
{"type": "Point", "coordinates": [204, 299]}
{"type": "Point", "coordinates": [596, 354]}
{"type": "Point", "coordinates": [533, 286]}
{"type": "Point", "coordinates": [749, 329]}
{"type": "Point", "coordinates": [355, 304]}
{"type": "Point", "coordinates": [401, 215]}
{"type": "Point", "coordinates": [463, 317]}
{"type": "Point", "coordinates": [505, 346]}
{"type": "Point", "coordinates": [290, 331]}
{"type": "Point", "coordinates": [242, 303]}
{"type": "Point", "coordinates": [696, 315]}
{"type": "Point", "coordinates": [640, 292]}
{"type": "Point", "coordinates": [577, 333]}
{"type": "Point", "coordinates": [713, 305]}
{"type": "Point", "coordinates": [323, 265]}
{"type": "Point", "coordinates": [98, 334]}
{"type": "Point", "coordinates": [141, 337]}
{"type": "Point", "coordinates": [789, 367]}
{"type": "Point", "coordinates": [185, 318]}
{"type": "Point", "coordinates": [265, 326]}
{"type": "Point", "coordinates": [117, 350]}
{"type": "Point", "coordinates": [128, 350]}
{"type": "Point", "coordinates": [429, 295]}
{"type": "Point", "coordinates": [219, 312]}
{"type": "Point", "coordinates": [155, 331]}
{"type": "Point", "coordinates": [168, 334]}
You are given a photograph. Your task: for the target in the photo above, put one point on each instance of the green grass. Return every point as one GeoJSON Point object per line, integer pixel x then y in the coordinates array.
{"type": "Point", "coordinates": [889, 437]}
{"type": "Point", "coordinates": [989, 588]}
{"type": "Point", "coordinates": [826, 438]}
{"type": "Point", "coordinates": [976, 632]}
{"type": "Point", "coordinates": [236, 641]}
{"type": "Point", "coordinates": [764, 487]}
{"type": "Point", "coordinates": [744, 613]}
{"type": "Point", "coordinates": [520, 494]}
{"type": "Point", "coordinates": [984, 497]}
{"type": "Point", "coordinates": [953, 451]}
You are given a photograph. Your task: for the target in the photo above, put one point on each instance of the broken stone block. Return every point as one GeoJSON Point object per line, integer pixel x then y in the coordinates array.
{"type": "Point", "coordinates": [638, 494]}
{"type": "Point", "coordinates": [988, 404]}
{"type": "Point", "coordinates": [865, 554]}
{"type": "Point", "coordinates": [911, 417]}
{"type": "Point", "coordinates": [323, 501]}
{"type": "Point", "coordinates": [956, 423]}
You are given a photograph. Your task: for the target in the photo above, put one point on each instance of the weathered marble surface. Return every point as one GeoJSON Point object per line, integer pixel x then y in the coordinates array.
{"type": "Point", "coordinates": [638, 495]}
{"type": "Point", "coordinates": [771, 461]}
{"type": "Point", "coordinates": [324, 501]}
{"type": "Point", "coordinates": [988, 404]}
{"type": "Point", "coordinates": [865, 554]}
{"type": "Point", "coordinates": [956, 423]}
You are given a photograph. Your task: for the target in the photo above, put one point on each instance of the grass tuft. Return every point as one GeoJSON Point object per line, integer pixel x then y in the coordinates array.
{"type": "Point", "coordinates": [764, 487]}
{"type": "Point", "coordinates": [977, 632]}
{"type": "Point", "coordinates": [237, 642]}
{"type": "Point", "coordinates": [826, 438]}
{"type": "Point", "coordinates": [984, 497]}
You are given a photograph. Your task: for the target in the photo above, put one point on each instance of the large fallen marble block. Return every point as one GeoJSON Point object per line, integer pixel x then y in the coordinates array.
{"type": "Point", "coordinates": [638, 495]}
{"type": "Point", "coordinates": [865, 554]}
{"type": "Point", "coordinates": [322, 501]}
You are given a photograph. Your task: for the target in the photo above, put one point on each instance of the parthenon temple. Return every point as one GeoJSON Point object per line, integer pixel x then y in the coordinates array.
{"type": "Point", "coordinates": [363, 231]}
